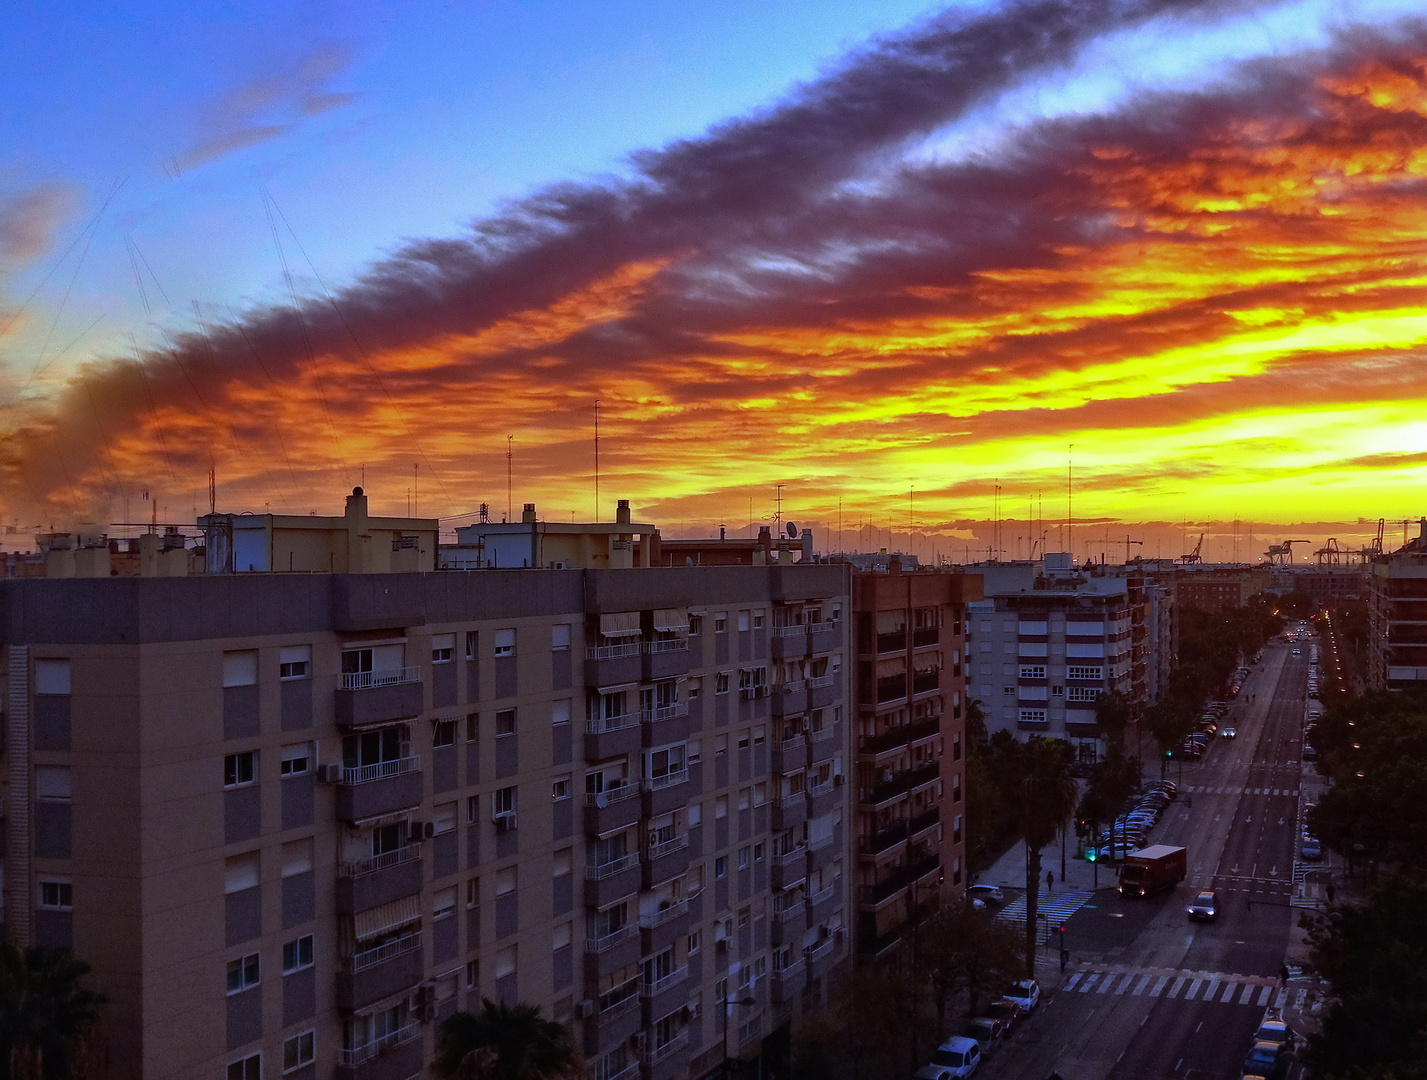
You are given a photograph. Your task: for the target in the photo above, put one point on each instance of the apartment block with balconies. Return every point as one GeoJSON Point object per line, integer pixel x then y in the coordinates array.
{"type": "Point", "coordinates": [294, 820]}
{"type": "Point", "coordinates": [909, 743]}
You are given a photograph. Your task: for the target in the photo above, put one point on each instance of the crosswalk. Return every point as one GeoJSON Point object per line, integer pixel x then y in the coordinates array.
{"type": "Point", "coordinates": [1055, 908]}
{"type": "Point", "coordinates": [1226, 988]}
{"type": "Point", "coordinates": [1236, 789]}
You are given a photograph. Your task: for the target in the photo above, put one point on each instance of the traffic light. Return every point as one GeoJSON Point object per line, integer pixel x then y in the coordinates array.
{"type": "Point", "coordinates": [1091, 854]}
{"type": "Point", "coordinates": [1081, 828]}
{"type": "Point", "coordinates": [1169, 753]}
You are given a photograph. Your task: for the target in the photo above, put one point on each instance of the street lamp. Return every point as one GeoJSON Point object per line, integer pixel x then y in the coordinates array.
{"type": "Point", "coordinates": [727, 1063]}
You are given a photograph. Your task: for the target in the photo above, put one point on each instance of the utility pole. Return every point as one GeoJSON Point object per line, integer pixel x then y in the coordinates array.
{"type": "Point", "coordinates": [597, 459]}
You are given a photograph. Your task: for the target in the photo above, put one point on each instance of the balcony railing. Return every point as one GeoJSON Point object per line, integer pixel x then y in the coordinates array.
{"type": "Point", "coordinates": [822, 894]}
{"type": "Point", "coordinates": [792, 856]}
{"type": "Point", "coordinates": [655, 783]}
{"type": "Point", "coordinates": [667, 646]}
{"type": "Point", "coordinates": [658, 986]}
{"type": "Point", "coordinates": [664, 712]}
{"type": "Point", "coordinates": [892, 641]}
{"type": "Point", "coordinates": [612, 652]}
{"type": "Point", "coordinates": [353, 868]}
{"type": "Point", "coordinates": [610, 940]}
{"type": "Point", "coordinates": [600, 724]}
{"type": "Point", "coordinates": [600, 871]}
{"type": "Point", "coordinates": [925, 635]}
{"type": "Point", "coordinates": [825, 788]}
{"type": "Point", "coordinates": [387, 951]}
{"type": "Point", "coordinates": [611, 795]}
{"type": "Point", "coordinates": [816, 952]}
{"type": "Point", "coordinates": [795, 968]}
{"type": "Point", "coordinates": [820, 843]}
{"type": "Point", "coordinates": [787, 746]}
{"type": "Point", "coordinates": [367, 1051]}
{"type": "Point", "coordinates": [381, 770]}
{"type": "Point", "coordinates": [821, 734]}
{"type": "Point", "coordinates": [817, 682]}
{"type": "Point", "coordinates": [365, 680]}
{"type": "Point", "coordinates": [668, 847]}
{"type": "Point", "coordinates": [792, 686]}
{"type": "Point", "coordinates": [796, 630]}
{"type": "Point", "coordinates": [665, 914]}
{"type": "Point", "coordinates": [659, 1053]}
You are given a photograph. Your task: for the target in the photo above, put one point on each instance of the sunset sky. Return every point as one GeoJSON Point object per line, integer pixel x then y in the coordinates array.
{"type": "Point", "coordinates": [916, 265]}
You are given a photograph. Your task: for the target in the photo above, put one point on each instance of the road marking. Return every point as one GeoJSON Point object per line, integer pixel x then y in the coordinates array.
{"type": "Point", "coordinates": [1088, 983]}
{"type": "Point", "coordinates": [1228, 994]}
{"type": "Point", "coordinates": [1248, 993]}
{"type": "Point", "coordinates": [1140, 986]}
{"type": "Point", "coordinates": [1070, 983]}
{"type": "Point", "coordinates": [1193, 989]}
{"type": "Point", "coordinates": [1210, 990]}
{"type": "Point", "coordinates": [1158, 986]}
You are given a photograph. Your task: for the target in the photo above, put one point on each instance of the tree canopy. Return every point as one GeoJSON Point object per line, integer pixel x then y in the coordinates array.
{"type": "Point", "coordinates": [506, 1042]}
{"type": "Point", "coordinates": [45, 1014]}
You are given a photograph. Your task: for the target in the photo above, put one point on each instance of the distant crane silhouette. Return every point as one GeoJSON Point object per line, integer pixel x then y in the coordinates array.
{"type": "Point", "coordinates": [1194, 556]}
{"type": "Point", "coordinates": [1282, 554]}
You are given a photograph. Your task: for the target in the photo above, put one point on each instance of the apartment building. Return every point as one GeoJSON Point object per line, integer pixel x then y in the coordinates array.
{"type": "Point", "coordinates": [1046, 641]}
{"type": "Point", "coordinates": [1397, 617]}
{"type": "Point", "coordinates": [292, 820]}
{"type": "Point", "coordinates": [910, 746]}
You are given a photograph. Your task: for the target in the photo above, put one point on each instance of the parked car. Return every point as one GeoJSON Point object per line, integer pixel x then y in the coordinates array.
{"type": "Point", "coordinates": [1227, 733]}
{"type": "Point", "coordinates": [1265, 1060]}
{"type": "Point", "coordinates": [955, 1059]}
{"type": "Point", "coordinates": [982, 895]}
{"type": "Point", "coordinates": [987, 1031]}
{"type": "Point", "coordinates": [1026, 994]}
{"type": "Point", "coordinates": [1276, 1031]}
{"type": "Point", "coordinates": [1311, 849]}
{"type": "Point", "coordinates": [1204, 906]}
{"type": "Point", "coordinates": [1007, 1011]}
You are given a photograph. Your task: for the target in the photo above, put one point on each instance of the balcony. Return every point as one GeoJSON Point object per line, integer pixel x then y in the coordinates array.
{"type": "Point", "coordinates": [825, 636]}
{"type": "Point", "coordinates": [788, 811]}
{"type": "Point", "coordinates": [926, 635]}
{"type": "Point", "coordinates": [665, 794]}
{"type": "Point", "coordinates": [789, 923]}
{"type": "Point", "coordinates": [382, 788]}
{"type": "Point", "coordinates": [665, 860]}
{"type": "Point", "coordinates": [822, 902]}
{"type": "Point", "coordinates": [789, 981]}
{"type": "Point", "coordinates": [884, 839]}
{"type": "Point", "coordinates": [821, 799]}
{"type": "Point", "coordinates": [789, 868]}
{"type": "Point", "coordinates": [381, 972]}
{"type": "Point", "coordinates": [664, 994]}
{"type": "Point", "coordinates": [607, 665]}
{"type": "Point", "coordinates": [611, 736]}
{"type": "Point", "coordinates": [897, 737]}
{"type": "Point", "coordinates": [608, 954]}
{"type": "Point", "coordinates": [607, 882]}
{"type": "Point", "coordinates": [820, 957]}
{"type": "Point", "coordinates": [788, 641]}
{"type": "Point", "coordinates": [924, 682]}
{"type": "Point", "coordinates": [900, 783]}
{"type": "Point", "coordinates": [394, 1056]}
{"type": "Point", "coordinates": [376, 697]}
{"type": "Point", "coordinates": [666, 724]}
{"type": "Point", "coordinates": [892, 641]}
{"type": "Point", "coordinates": [665, 659]}
{"type": "Point", "coordinates": [823, 691]}
{"type": "Point", "coordinates": [923, 823]}
{"type": "Point", "coordinates": [790, 755]}
{"type": "Point", "coordinates": [368, 883]}
{"type": "Point", "coordinates": [898, 879]}
{"type": "Point", "coordinates": [891, 688]}
{"type": "Point", "coordinates": [667, 1061]}
{"type": "Point", "coordinates": [613, 808]}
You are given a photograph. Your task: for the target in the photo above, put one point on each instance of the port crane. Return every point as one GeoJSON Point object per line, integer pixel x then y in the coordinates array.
{"type": "Point", "coordinates": [1194, 556]}
{"type": "Point", "coordinates": [1282, 554]}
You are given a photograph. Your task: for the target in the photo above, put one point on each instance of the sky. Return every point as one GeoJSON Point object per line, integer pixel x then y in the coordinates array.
{"type": "Point", "coordinates": [969, 278]}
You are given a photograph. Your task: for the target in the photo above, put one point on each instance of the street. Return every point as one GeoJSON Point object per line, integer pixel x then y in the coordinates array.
{"type": "Point", "coordinates": [1147, 993]}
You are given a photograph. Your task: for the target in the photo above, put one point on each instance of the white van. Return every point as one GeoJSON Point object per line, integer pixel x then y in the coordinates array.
{"type": "Point", "coordinates": [955, 1059]}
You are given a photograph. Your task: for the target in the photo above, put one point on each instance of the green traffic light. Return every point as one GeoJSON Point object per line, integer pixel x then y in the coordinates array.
{"type": "Point", "coordinates": [1091, 855]}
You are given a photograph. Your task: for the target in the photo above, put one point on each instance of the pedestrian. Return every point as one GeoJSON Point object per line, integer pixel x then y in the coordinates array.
{"type": "Point", "coordinates": [1049, 880]}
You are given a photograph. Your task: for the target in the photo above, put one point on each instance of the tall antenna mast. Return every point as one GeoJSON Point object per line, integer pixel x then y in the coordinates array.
{"type": "Point", "coordinates": [778, 512]}
{"type": "Point", "coordinates": [416, 489]}
{"type": "Point", "coordinates": [911, 491]}
{"type": "Point", "coordinates": [509, 487]}
{"type": "Point", "coordinates": [1069, 512]}
{"type": "Point", "coordinates": [597, 459]}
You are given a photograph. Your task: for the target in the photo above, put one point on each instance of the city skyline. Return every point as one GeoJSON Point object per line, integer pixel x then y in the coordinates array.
{"type": "Point", "coordinates": [1163, 253]}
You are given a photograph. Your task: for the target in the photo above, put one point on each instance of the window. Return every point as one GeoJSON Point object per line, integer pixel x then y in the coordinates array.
{"type": "Point", "coordinates": [561, 862]}
{"type": "Point", "coordinates": [473, 892]}
{"type": "Point", "coordinates": [294, 662]}
{"type": "Point", "coordinates": [443, 733]}
{"type": "Point", "coordinates": [696, 625]}
{"type": "Point", "coordinates": [473, 808]}
{"type": "Point", "coordinates": [505, 881]}
{"type": "Point", "coordinates": [58, 895]}
{"type": "Point", "coordinates": [760, 794]}
{"type": "Point", "coordinates": [297, 759]}
{"type": "Point", "coordinates": [443, 818]}
{"type": "Point", "coordinates": [758, 619]}
{"type": "Point", "coordinates": [693, 688]}
{"type": "Point", "coordinates": [665, 762]}
{"type": "Point", "coordinates": [745, 856]}
{"type": "Point", "coordinates": [443, 648]}
{"type": "Point", "coordinates": [240, 668]}
{"type": "Point", "coordinates": [505, 642]}
{"type": "Point", "coordinates": [249, 1068]}
{"type": "Point", "coordinates": [472, 639]}
{"type": "Point", "coordinates": [443, 904]}
{"type": "Point", "coordinates": [1084, 672]}
{"type": "Point", "coordinates": [720, 745]}
{"type": "Point", "coordinates": [297, 857]}
{"type": "Point", "coordinates": [721, 807]}
{"type": "Point", "coordinates": [298, 1051]}
{"type": "Point", "coordinates": [242, 973]}
{"type": "Point", "coordinates": [956, 829]}
{"type": "Point", "coordinates": [505, 722]}
{"type": "Point", "coordinates": [239, 769]}
{"type": "Point", "coordinates": [473, 726]}
{"type": "Point", "coordinates": [758, 852]}
{"type": "Point", "coordinates": [691, 944]}
{"type": "Point", "coordinates": [721, 866]}
{"type": "Point", "coordinates": [743, 620]}
{"type": "Point", "coordinates": [1033, 671]}
{"type": "Point", "coordinates": [1082, 693]}
{"type": "Point", "coordinates": [503, 801]}
{"type": "Point", "coordinates": [297, 954]}
{"type": "Point", "coordinates": [51, 676]}
{"type": "Point", "coordinates": [743, 737]}
{"type": "Point", "coordinates": [695, 752]}
{"type": "Point", "coordinates": [760, 734]}
{"type": "Point", "coordinates": [53, 783]}
{"type": "Point", "coordinates": [560, 789]}
{"type": "Point", "coordinates": [560, 637]}
{"type": "Point", "coordinates": [560, 712]}
{"type": "Point", "coordinates": [721, 683]}
{"type": "Point", "coordinates": [1033, 716]}
{"type": "Point", "coordinates": [240, 872]}
{"type": "Point", "coordinates": [473, 974]}
{"type": "Point", "coordinates": [721, 623]}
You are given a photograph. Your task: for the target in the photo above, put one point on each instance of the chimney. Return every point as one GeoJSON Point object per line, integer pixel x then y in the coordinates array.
{"type": "Point", "coordinates": [357, 506]}
{"type": "Point", "coordinates": [721, 533]}
{"type": "Point", "coordinates": [621, 515]}
{"type": "Point", "coordinates": [528, 514]}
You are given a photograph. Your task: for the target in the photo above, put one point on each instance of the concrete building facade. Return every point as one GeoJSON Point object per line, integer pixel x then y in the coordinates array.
{"type": "Point", "coordinates": [1397, 618]}
{"type": "Point", "coordinates": [292, 820]}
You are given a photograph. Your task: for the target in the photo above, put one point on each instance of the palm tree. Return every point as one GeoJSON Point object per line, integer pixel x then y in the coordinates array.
{"type": "Point", "coordinates": [506, 1042]}
{"type": "Point", "coordinates": [44, 1013]}
{"type": "Point", "coordinates": [1048, 793]}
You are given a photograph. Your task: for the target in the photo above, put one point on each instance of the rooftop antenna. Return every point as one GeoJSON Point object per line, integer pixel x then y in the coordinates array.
{"type": "Point", "coordinates": [416, 489]}
{"type": "Point", "coordinates": [597, 459]}
{"type": "Point", "coordinates": [213, 489]}
{"type": "Point", "coordinates": [911, 491]}
{"type": "Point", "coordinates": [1069, 512]}
{"type": "Point", "coordinates": [509, 461]}
{"type": "Point", "coordinates": [778, 511]}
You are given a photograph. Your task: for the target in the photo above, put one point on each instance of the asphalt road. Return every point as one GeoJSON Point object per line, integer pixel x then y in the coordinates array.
{"type": "Point", "coordinates": [1151, 994]}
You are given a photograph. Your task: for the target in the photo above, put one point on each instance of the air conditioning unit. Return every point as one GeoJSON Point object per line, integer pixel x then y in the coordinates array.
{"type": "Point", "coordinates": [404, 749]}
{"type": "Point", "coordinates": [504, 823]}
{"type": "Point", "coordinates": [585, 1009]}
{"type": "Point", "coordinates": [839, 780]}
{"type": "Point", "coordinates": [415, 831]}
{"type": "Point", "coordinates": [428, 829]}
{"type": "Point", "coordinates": [691, 1013]}
{"type": "Point", "coordinates": [638, 1041]}
{"type": "Point", "coordinates": [330, 773]}
{"type": "Point", "coordinates": [721, 945]}
{"type": "Point", "coordinates": [422, 1000]}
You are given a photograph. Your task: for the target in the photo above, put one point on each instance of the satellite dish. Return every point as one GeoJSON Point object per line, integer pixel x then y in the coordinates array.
{"type": "Point", "coordinates": [792, 530]}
